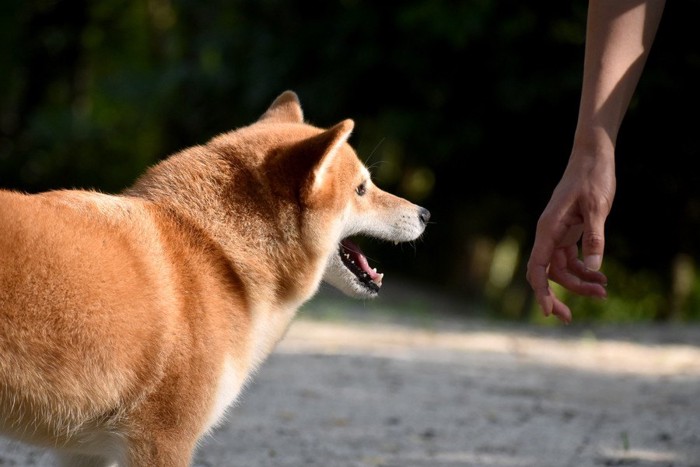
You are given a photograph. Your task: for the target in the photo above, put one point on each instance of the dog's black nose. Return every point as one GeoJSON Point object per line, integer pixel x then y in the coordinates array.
{"type": "Point", "coordinates": [424, 215]}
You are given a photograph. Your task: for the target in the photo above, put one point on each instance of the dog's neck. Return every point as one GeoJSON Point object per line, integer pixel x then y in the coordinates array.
{"type": "Point", "coordinates": [226, 201]}
{"type": "Point", "coordinates": [186, 183]}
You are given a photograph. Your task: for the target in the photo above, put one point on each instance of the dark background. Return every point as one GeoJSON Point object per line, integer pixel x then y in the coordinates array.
{"type": "Point", "coordinates": [467, 108]}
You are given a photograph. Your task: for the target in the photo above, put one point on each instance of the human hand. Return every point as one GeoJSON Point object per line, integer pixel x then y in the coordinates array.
{"type": "Point", "coordinates": [576, 212]}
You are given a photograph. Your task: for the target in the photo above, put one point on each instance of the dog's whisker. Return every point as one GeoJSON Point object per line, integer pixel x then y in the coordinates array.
{"type": "Point", "coordinates": [374, 150]}
{"type": "Point", "coordinates": [375, 164]}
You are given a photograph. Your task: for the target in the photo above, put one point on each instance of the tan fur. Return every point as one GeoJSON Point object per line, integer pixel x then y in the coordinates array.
{"type": "Point", "coordinates": [128, 323]}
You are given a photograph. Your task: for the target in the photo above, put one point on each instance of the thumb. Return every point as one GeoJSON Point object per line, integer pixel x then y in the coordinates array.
{"type": "Point", "coordinates": [593, 242]}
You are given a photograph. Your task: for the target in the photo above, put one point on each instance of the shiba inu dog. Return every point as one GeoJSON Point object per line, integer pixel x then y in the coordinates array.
{"type": "Point", "coordinates": [129, 323]}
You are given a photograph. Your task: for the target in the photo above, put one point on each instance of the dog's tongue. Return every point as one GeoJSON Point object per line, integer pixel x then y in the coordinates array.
{"type": "Point", "coordinates": [356, 254]}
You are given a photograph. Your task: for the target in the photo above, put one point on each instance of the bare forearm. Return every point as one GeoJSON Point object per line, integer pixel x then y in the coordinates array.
{"type": "Point", "coordinates": [618, 39]}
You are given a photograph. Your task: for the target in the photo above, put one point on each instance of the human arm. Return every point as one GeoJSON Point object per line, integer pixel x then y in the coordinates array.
{"type": "Point", "coordinates": [619, 34]}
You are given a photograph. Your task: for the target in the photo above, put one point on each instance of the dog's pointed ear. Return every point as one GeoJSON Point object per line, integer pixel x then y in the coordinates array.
{"type": "Point", "coordinates": [286, 108]}
{"type": "Point", "coordinates": [303, 167]}
{"type": "Point", "coordinates": [327, 146]}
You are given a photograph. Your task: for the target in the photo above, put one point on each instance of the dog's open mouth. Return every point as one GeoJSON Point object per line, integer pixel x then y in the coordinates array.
{"type": "Point", "coordinates": [356, 262]}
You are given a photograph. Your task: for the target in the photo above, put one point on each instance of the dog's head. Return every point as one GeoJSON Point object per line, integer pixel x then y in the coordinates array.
{"type": "Point", "coordinates": [337, 197]}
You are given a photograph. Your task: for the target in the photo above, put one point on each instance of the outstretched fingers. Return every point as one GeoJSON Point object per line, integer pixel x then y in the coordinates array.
{"type": "Point", "coordinates": [593, 239]}
{"type": "Point", "coordinates": [562, 266]}
{"type": "Point", "coordinates": [537, 274]}
{"type": "Point", "coordinates": [561, 311]}
{"type": "Point", "coordinates": [571, 273]}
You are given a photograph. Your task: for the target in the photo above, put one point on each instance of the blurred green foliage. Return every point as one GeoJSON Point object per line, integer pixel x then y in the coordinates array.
{"type": "Point", "coordinates": [467, 107]}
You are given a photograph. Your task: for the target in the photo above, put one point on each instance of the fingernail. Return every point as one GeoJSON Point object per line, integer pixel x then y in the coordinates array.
{"type": "Point", "coordinates": [593, 262]}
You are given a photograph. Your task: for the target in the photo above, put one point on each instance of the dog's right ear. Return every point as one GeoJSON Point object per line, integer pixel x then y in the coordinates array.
{"type": "Point", "coordinates": [328, 146]}
{"type": "Point", "coordinates": [286, 108]}
{"type": "Point", "coordinates": [305, 165]}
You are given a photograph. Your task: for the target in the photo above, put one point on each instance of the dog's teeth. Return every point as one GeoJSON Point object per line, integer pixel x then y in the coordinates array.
{"type": "Point", "coordinates": [395, 242]}
{"type": "Point", "coordinates": [374, 269]}
{"type": "Point", "coordinates": [378, 280]}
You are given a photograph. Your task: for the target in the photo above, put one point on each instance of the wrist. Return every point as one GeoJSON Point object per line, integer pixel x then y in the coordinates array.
{"type": "Point", "coordinates": [591, 141]}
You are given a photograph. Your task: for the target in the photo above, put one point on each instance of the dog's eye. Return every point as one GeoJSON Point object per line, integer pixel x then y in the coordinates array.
{"type": "Point", "coordinates": [361, 189]}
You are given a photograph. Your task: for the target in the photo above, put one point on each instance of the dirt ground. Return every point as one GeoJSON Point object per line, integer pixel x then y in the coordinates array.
{"type": "Point", "coordinates": [357, 386]}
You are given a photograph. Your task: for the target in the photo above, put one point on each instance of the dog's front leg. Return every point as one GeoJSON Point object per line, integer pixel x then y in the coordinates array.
{"type": "Point", "coordinates": [81, 460]}
{"type": "Point", "coordinates": [160, 453]}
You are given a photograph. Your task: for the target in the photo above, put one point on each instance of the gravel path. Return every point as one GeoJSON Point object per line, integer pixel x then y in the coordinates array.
{"type": "Point", "coordinates": [361, 392]}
